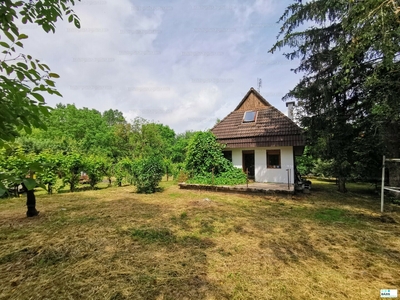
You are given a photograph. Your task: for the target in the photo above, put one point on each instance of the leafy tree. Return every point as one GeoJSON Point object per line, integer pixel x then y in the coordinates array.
{"type": "Point", "coordinates": [51, 164]}
{"type": "Point", "coordinates": [147, 174]}
{"type": "Point", "coordinates": [346, 56]}
{"type": "Point", "coordinates": [122, 169]}
{"type": "Point", "coordinates": [23, 77]}
{"type": "Point", "coordinates": [72, 165]}
{"type": "Point", "coordinates": [122, 144]}
{"type": "Point", "coordinates": [179, 148]}
{"type": "Point", "coordinates": [305, 163]}
{"type": "Point", "coordinates": [146, 139]}
{"type": "Point", "coordinates": [84, 127]}
{"type": "Point", "coordinates": [113, 117]}
{"type": "Point", "coordinates": [95, 167]}
{"type": "Point", "coordinates": [16, 169]}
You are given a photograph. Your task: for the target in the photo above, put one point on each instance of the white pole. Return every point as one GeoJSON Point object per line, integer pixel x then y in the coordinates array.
{"type": "Point", "coordinates": [383, 183]}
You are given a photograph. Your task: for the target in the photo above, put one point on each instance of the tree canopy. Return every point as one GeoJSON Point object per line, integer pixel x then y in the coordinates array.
{"type": "Point", "coordinates": [23, 78]}
{"type": "Point", "coordinates": [348, 52]}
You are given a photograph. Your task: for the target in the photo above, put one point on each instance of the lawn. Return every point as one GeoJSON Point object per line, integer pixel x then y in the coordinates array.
{"type": "Point", "coordinates": [178, 244]}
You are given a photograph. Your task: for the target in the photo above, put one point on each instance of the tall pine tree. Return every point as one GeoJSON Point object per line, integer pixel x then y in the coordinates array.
{"type": "Point", "coordinates": [348, 52]}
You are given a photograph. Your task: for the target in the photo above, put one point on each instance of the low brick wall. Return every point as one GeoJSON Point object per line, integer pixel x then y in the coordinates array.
{"type": "Point", "coordinates": [232, 189]}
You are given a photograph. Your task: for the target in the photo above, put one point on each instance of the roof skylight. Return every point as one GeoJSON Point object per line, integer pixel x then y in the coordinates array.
{"type": "Point", "coordinates": [249, 116]}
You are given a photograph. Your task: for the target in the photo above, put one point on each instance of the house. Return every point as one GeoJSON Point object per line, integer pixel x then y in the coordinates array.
{"type": "Point", "coordinates": [261, 140]}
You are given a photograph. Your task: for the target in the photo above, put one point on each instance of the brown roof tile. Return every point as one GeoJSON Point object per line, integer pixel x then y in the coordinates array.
{"type": "Point", "coordinates": [272, 128]}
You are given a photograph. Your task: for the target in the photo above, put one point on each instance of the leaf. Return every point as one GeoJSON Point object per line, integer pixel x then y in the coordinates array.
{"type": "Point", "coordinates": [38, 97]}
{"type": "Point", "coordinates": [20, 76]}
{"type": "Point", "coordinates": [50, 82]}
{"type": "Point", "coordinates": [22, 36]}
{"type": "Point", "coordinates": [22, 65]}
{"type": "Point", "coordinates": [4, 44]}
{"type": "Point", "coordinates": [9, 36]}
{"type": "Point", "coordinates": [29, 183]}
{"type": "Point", "coordinates": [54, 75]}
{"type": "Point", "coordinates": [77, 23]}
{"type": "Point", "coordinates": [28, 130]}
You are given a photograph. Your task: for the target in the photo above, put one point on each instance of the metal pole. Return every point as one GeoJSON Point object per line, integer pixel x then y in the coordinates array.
{"type": "Point", "coordinates": [288, 186]}
{"type": "Point", "coordinates": [247, 177]}
{"type": "Point", "coordinates": [383, 183]}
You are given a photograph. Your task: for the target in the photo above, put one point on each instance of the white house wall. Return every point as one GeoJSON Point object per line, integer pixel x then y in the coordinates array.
{"type": "Point", "coordinates": [237, 158]}
{"type": "Point", "coordinates": [262, 173]}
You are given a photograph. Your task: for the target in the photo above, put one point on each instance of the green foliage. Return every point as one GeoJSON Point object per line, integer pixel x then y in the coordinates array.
{"type": "Point", "coordinates": [123, 169]}
{"type": "Point", "coordinates": [305, 163]}
{"type": "Point", "coordinates": [51, 164]}
{"type": "Point", "coordinates": [206, 163]}
{"type": "Point", "coordinates": [323, 168]}
{"type": "Point", "coordinates": [204, 155]}
{"type": "Point", "coordinates": [96, 168]}
{"type": "Point", "coordinates": [231, 177]}
{"type": "Point", "coordinates": [17, 168]}
{"type": "Point", "coordinates": [72, 165]}
{"type": "Point", "coordinates": [147, 174]}
{"type": "Point", "coordinates": [22, 77]}
{"type": "Point", "coordinates": [169, 167]}
{"type": "Point", "coordinates": [113, 117]}
{"type": "Point", "coordinates": [179, 148]}
{"type": "Point", "coordinates": [349, 57]}
{"type": "Point", "coordinates": [83, 129]}
{"type": "Point", "coordinates": [178, 168]}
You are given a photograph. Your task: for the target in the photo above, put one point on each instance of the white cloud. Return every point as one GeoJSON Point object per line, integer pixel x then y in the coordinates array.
{"type": "Point", "coordinates": [181, 64]}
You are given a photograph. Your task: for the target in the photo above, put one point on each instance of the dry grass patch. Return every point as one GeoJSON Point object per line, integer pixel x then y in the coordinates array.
{"type": "Point", "coordinates": [180, 244]}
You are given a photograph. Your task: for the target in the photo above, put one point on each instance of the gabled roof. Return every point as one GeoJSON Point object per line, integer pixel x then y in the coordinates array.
{"type": "Point", "coordinates": [271, 128]}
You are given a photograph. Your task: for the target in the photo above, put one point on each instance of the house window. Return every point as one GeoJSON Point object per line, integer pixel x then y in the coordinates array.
{"type": "Point", "coordinates": [249, 116]}
{"type": "Point", "coordinates": [228, 155]}
{"type": "Point", "coordinates": [274, 159]}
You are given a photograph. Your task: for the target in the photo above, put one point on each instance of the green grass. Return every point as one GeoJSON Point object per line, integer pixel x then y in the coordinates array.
{"type": "Point", "coordinates": [112, 243]}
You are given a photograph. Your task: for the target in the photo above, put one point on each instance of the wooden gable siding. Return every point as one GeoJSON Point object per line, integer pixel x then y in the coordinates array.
{"type": "Point", "coordinates": [270, 129]}
{"type": "Point", "coordinates": [252, 102]}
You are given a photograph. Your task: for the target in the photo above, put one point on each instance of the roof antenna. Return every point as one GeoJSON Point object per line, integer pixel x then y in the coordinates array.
{"type": "Point", "coordinates": [259, 84]}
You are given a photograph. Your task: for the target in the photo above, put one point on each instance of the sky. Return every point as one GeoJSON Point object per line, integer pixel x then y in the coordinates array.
{"type": "Point", "coordinates": [181, 63]}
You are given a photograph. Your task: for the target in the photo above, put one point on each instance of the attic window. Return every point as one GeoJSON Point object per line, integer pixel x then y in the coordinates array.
{"type": "Point", "coordinates": [249, 116]}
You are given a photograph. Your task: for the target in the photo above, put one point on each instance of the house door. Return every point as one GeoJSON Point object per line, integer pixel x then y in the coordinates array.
{"type": "Point", "coordinates": [248, 162]}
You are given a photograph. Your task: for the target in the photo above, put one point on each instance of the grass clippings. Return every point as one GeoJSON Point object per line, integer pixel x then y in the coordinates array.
{"type": "Point", "coordinates": [179, 244]}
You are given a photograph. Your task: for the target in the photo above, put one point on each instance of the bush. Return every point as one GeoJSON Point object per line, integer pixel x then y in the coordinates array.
{"type": "Point", "coordinates": [71, 166]}
{"type": "Point", "coordinates": [205, 157]}
{"type": "Point", "coordinates": [95, 167]}
{"type": "Point", "coordinates": [205, 154]}
{"type": "Point", "coordinates": [232, 177]}
{"type": "Point", "coordinates": [147, 174]}
{"type": "Point", "coordinates": [122, 169]}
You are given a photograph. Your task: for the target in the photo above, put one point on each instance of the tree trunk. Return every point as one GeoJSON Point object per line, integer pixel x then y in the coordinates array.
{"type": "Point", "coordinates": [342, 184]}
{"type": "Point", "coordinates": [30, 203]}
{"type": "Point", "coordinates": [72, 186]}
{"type": "Point", "coordinates": [50, 189]}
{"type": "Point", "coordinates": [109, 181]}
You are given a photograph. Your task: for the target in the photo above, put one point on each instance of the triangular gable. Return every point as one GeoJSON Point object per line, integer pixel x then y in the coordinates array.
{"type": "Point", "coordinates": [271, 128]}
{"type": "Point", "coordinates": [252, 101]}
